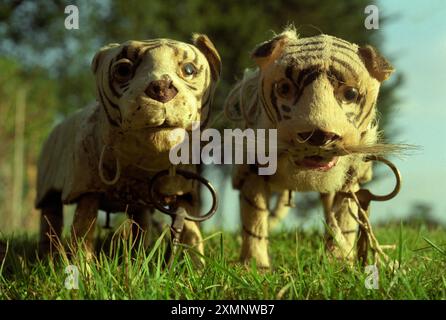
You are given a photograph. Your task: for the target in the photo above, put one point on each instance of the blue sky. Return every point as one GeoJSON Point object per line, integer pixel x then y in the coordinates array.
{"type": "Point", "coordinates": [415, 43]}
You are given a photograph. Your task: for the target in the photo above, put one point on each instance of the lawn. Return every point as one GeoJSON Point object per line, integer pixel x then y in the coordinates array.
{"type": "Point", "coordinates": [301, 270]}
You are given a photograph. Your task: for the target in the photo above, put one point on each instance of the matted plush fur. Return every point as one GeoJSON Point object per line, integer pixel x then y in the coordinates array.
{"type": "Point", "coordinates": [320, 93]}
{"type": "Point", "coordinates": [103, 156]}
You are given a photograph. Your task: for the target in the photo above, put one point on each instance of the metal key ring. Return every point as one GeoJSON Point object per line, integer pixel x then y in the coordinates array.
{"type": "Point", "coordinates": [191, 176]}
{"type": "Point", "coordinates": [397, 175]}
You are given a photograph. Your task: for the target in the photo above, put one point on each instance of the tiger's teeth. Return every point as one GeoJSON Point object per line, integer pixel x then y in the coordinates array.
{"type": "Point", "coordinates": [317, 163]}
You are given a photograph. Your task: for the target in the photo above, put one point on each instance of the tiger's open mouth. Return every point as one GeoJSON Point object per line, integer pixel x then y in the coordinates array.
{"type": "Point", "coordinates": [317, 163]}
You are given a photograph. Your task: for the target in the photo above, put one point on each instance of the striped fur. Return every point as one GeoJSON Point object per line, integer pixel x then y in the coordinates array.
{"type": "Point", "coordinates": [144, 91]}
{"type": "Point", "coordinates": [125, 104]}
{"type": "Point", "coordinates": [304, 88]}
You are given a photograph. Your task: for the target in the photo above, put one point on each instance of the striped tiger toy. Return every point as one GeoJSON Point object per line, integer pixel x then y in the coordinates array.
{"type": "Point", "coordinates": [320, 94]}
{"type": "Point", "coordinates": [103, 156]}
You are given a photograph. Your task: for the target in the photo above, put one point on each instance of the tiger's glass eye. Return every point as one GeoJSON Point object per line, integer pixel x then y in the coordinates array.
{"type": "Point", "coordinates": [189, 70]}
{"type": "Point", "coordinates": [284, 89]}
{"type": "Point", "coordinates": [350, 94]}
{"type": "Point", "coordinates": [123, 71]}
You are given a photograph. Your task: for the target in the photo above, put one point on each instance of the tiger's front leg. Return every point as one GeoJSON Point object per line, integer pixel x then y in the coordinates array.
{"type": "Point", "coordinates": [191, 234]}
{"type": "Point", "coordinates": [254, 198]}
{"type": "Point", "coordinates": [343, 227]}
{"type": "Point", "coordinates": [84, 223]}
{"type": "Point", "coordinates": [141, 218]}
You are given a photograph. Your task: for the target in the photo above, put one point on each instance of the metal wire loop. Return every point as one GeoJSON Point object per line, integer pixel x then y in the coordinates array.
{"type": "Point", "coordinates": [172, 211]}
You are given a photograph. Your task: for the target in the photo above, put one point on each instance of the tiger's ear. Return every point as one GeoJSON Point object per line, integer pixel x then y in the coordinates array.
{"type": "Point", "coordinates": [100, 54]}
{"type": "Point", "coordinates": [268, 51]}
{"type": "Point", "coordinates": [378, 67]}
{"type": "Point", "coordinates": [206, 47]}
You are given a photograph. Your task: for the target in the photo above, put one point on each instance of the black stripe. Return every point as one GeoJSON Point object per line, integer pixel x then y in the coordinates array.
{"type": "Point", "coordinates": [112, 104]}
{"type": "Point", "coordinates": [274, 104]}
{"type": "Point", "coordinates": [200, 69]}
{"type": "Point", "coordinates": [191, 87]}
{"type": "Point", "coordinates": [267, 108]}
{"type": "Point", "coordinates": [195, 60]}
{"type": "Point", "coordinates": [264, 104]}
{"type": "Point", "coordinates": [372, 107]}
{"type": "Point", "coordinates": [147, 49]}
{"type": "Point", "coordinates": [309, 49]}
{"type": "Point", "coordinates": [174, 47]}
{"type": "Point", "coordinates": [124, 52]}
{"type": "Point", "coordinates": [204, 104]}
{"type": "Point", "coordinates": [335, 76]}
{"type": "Point", "coordinates": [342, 41]}
{"type": "Point", "coordinates": [304, 57]}
{"type": "Point", "coordinates": [131, 52]}
{"type": "Point", "coordinates": [171, 42]}
{"type": "Point", "coordinates": [297, 60]}
{"type": "Point", "coordinates": [289, 73]}
{"type": "Point", "coordinates": [304, 73]}
{"type": "Point", "coordinates": [147, 42]}
{"type": "Point", "coordinates": [206, 79]}
{"type": "Point", "coordinates": [105, 97]}
{"type": "Point", "coordinates": [110, 119]}
{"type": "Point", "coordinates": [350, 58]}
{"type": "Point", "coordinates": [350, 116]}
{"type": "Point", "coordinates": [104, 94]}
{"type": "Point", "coordinates": [285, 108]}
{"type": "Point", "coordinates": [137, 62]}
{"type": "Point", "coordinates": [110, 81]}
{"type": "Point", "coordinates": [136, 53]}
{"type": "Point", "coordinates": [338, 45]}
{"type": "Point", "coordinates": [309, 76]}
{"type": "Point", "coordinates": [206, 95]}
{"type": "Point", "coordinates": [346, 66]}
{"type": "Point", "coordinates": [306, 44]}
{"type": "Point", "coordinates": [362, 105]}
{"type": "Point", "coordinates": [141, 53]}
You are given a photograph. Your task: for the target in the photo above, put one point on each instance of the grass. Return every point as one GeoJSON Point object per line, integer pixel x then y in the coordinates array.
{"type": "Point", "coordinates": [301, 270]}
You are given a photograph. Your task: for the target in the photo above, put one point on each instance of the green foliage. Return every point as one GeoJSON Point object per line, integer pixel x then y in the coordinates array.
{"type": "Point", "coordinates": [40, 108]}
{"type": "Point", "coordinates": [301, 270]}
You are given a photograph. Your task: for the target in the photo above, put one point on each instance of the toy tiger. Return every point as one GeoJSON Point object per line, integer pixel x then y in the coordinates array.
{"type": "Point", "coordinates": [320, 94]}
{"type": "Point", "coordinates": [103, 156]}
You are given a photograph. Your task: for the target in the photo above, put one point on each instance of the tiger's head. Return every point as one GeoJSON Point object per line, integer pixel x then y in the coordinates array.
{"type": "Point", "coordinates": [156, 83]}
{"type": "Point", "coordinates": [320, 94]}
{"type": "Point", "coordinates": [148, 88]}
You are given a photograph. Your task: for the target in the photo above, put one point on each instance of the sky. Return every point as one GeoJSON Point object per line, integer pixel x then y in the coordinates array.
{"type": "Point", "coordinates": [415, 39]}
{"type": "Point", "coordinates": [415, 43]}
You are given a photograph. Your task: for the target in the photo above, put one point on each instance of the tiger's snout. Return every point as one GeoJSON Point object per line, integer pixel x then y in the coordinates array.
{"type": "Point", "coordinates": [318, 138]}
{"type": "Point", "coordinates": [161, 90]}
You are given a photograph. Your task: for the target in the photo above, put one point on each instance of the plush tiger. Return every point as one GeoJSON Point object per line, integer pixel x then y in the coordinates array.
{"type": "Point", "coordinates": [103, 156]}
{"type": "Point", "coordinates": [320, 94]}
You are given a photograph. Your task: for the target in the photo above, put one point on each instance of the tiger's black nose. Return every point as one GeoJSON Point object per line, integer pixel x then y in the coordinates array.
{"type": "Point", "coordinates": [318, 138]}
{"type": "Point", "coordinates": [161, 90]}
